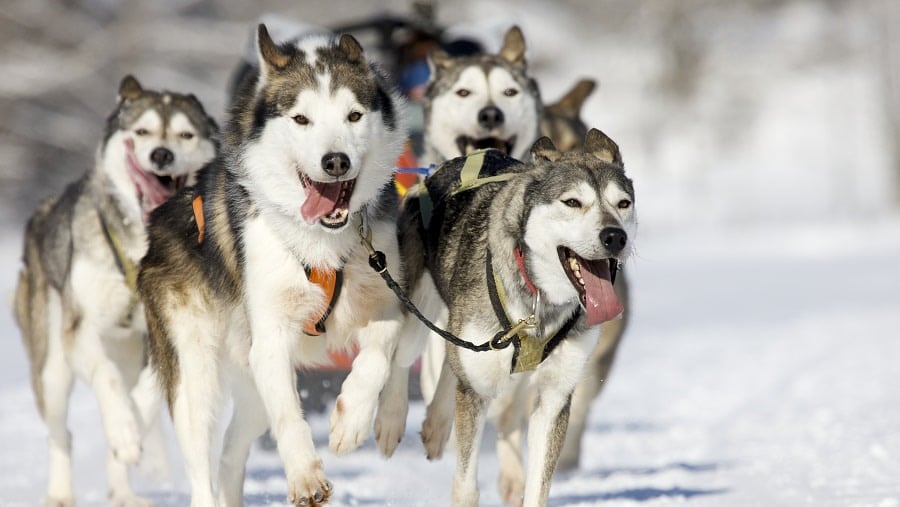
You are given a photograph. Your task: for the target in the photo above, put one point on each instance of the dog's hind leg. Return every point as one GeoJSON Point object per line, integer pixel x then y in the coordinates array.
{"type": "Point", "coordinates": [511, 407]}
{"type": "Point", "coordinates": [56, 387]}
{"type": "Point", "coordinates": [470, 419]}
{"type": "Point", "coordinates": [439, 414]}
{"type": "Point", "coordinates": [393, 406]}
{"type": "Point", "coordinates": [248, 422]}
{"type": "Point", "coordinates": [196, 399]}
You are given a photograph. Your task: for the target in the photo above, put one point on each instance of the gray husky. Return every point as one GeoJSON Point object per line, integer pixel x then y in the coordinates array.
{"type": "Point", "coordinates": [261, 269]}
{"type": "Point", "coordinates": [76, 302]}
{"type": "Point", "coordinates": [521, 254]}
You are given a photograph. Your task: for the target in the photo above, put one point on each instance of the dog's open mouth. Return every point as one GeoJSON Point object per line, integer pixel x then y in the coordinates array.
{"type": "Point", "coordinates": [468, 144]}
{"type": "Point", "coordinates": [152, 189]}
{"type": "Point", "coordinates": [592, 280]}
{"type": "Point", "coordinates": [329, 203]}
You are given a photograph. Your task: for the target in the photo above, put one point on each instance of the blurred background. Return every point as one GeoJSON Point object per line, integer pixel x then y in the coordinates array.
{"type": "Point", "coordinates": [763, 138]}
{"type": "Point", "coordinates": [728, 112]}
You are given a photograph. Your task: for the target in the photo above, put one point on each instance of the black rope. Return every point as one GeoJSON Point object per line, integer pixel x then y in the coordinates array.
{"type": "Point", "coordinates": [379, 263]}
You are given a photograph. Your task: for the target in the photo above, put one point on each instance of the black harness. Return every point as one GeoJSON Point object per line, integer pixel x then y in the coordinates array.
{"type": "Point", "coordinates": [529, 351]}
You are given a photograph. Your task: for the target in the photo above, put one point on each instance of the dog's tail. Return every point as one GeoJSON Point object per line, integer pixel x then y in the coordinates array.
{"type": "Point", "coordinates": [30, 305]}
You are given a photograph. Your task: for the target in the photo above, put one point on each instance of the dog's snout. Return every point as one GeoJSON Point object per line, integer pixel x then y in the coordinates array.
{"type": "Point", "coordinates": [490, 117]}
{"type": "Point", "coordinates": [162, 157]}
{"type": "Point", "coordinates": [614, 239]}
{"type": "Point", "coordinates": [336, 164]}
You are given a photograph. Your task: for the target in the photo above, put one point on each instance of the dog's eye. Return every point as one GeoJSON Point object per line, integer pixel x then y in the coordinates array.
{"type": "Point", "coordinates": [142, 132]}
{"type": "Point", "coordinates": [186, 135]}
{"type": "Point", "coordinates": [301, 120]}
{"type": "Point", "coordinates": [624, 204]}
{"type": "Point", "coordinates": [355, 116]}
{"type": "Point", "coordinates": [510, 92]}
{"type": "Point", "coordinates": [572, 203]}
{"type": "Point", "coordinates": [462, 92]}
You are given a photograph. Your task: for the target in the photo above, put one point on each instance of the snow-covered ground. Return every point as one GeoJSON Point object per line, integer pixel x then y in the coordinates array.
{"type": "Point", "coordinates": [760, 365]}
{"type": "Point", "coordinates": [760, 370]}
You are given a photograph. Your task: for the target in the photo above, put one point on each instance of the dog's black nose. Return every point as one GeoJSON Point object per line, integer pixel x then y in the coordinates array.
{"type": "Point", "coordinates": [336, 164]}
{"type": "Point", "coordinates": [614, 239]}
{"type": "Point", "coordinates": [162, 157]}
{"type": "Point", "coordinates": [490, 117]}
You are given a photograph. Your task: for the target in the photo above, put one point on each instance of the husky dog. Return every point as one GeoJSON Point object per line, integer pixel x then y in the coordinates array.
{"type": "Point", "coordinates": [536, 250]}
{"type": "Point", "coordinates": [561, 120]}
{"type": "Point", "coordinates": [261, 269]}
{"type": "Point", "coordinates": [76, 301]}
{"type": "Point", "coordinates": [480, 101]}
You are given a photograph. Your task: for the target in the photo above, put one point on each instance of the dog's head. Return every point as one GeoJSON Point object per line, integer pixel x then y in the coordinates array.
{"type": "Point", "coordinates": [161, 138]}
{"type": "Point", "coordinates": [321, 131]}
{"type": "Point", "coordinates": [483, 101]}
{"type": "Point", "coordinates": [579, 219]}
{"type": "Point", "coordinates": [561, 120]}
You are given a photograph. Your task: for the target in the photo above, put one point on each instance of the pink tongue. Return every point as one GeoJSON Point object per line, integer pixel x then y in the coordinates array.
{"type": "Point", "coordinates": [600, 299]}
{"type": "Point", "coordinates": [153, 192]}
{"type": "Point", "coordinates": [320, 200]}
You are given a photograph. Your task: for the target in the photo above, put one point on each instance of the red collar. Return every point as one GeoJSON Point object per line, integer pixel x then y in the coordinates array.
{"type": "Point", "coordinates": [520, 262]}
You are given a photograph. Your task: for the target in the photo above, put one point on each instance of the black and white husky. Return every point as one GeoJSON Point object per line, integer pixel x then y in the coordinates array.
{"type": "Point", "coordinates": [534, 249]}
{"type": "Point", "coordinates": [261, 269]}
{"type": "Point", "coordinates": [76, 301]}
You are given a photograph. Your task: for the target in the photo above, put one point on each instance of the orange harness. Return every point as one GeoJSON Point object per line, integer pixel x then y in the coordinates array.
{"type": "Point", "coordinates": [329, 280]}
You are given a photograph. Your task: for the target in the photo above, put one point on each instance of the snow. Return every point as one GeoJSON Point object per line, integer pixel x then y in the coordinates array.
{"type": "Point", "coordinates": [760, 363]}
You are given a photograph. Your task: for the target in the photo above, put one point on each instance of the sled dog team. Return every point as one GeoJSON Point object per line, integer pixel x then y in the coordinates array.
{"type": "Point", "coordinates": [190, 266]}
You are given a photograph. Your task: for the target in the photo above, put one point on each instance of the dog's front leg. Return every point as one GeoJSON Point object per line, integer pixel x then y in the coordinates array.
{"type": "Point", "coordinates": [553, 383]}
{"type": "Point", "coordinates": [275, 378]}
{"type": "Point", "coordinates": [274, 304]}
{"type": "Point", "coordinates": [354, 410]}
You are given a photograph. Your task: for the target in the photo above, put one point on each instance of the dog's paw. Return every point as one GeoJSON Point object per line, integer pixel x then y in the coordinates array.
{"type": "Point", "coordinates": [59, 502]}
{"type": "Point", "coordinates": [390, 424]}
{"type": "Point", "coordinates": [435, 433]}
{"type": "Point", "coordinates": [311, 489]}
{"type": "Point", "coordinates": [511, 486]}
{"type": "Point", "coordinates": [124, 438]}
{"type": "Point", "coordinates": [127, 500]}
{"type": "Point", "coordinates": [350, 425]}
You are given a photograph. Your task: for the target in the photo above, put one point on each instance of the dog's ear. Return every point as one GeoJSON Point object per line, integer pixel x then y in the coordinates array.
{"type": "Point", "coordinates": [571, 103]}
{"type": "Point", "coordinates": [270, 55]}
{"type": "Point", "coordinates": [351, 47]}
{"type": "Point", "coordinates": [544, 149]}
{"type": "Point", "coordinates": [438, 60]}
{"type": "Point", "coordinates": [598, 144]}
{"type": "Point", "coordinates": [129, 88]}
{"type": "Point", "coordinates": [513, 50]}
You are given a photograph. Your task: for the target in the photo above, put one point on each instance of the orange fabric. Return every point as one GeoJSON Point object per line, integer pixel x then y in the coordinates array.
{"type": "Point", "coordinates": [327, 280]}
{"type": "Point", "coordinates": [197, 204]}
{"type": "Point", "coordinates": [406, 160]}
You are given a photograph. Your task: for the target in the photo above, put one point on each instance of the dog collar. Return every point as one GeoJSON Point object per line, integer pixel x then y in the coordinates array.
{"type": "Point", "coordinates": [520, 262]}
